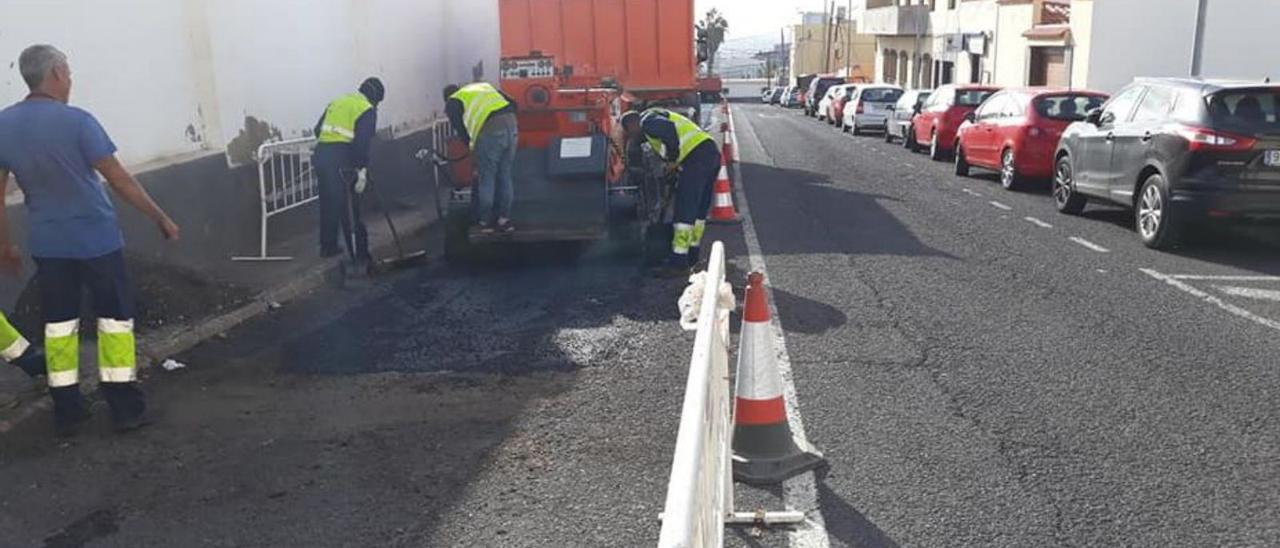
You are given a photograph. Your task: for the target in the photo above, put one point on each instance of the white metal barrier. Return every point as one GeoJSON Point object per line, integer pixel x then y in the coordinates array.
{"type": "Point", "coordinates": [286, 180]}
{"type": "Point", "coordinates": [700, 491]}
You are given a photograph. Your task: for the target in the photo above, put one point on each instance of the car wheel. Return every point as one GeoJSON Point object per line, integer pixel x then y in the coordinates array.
{"type": "Point", "coordinates": [909, 140]}
{"type": "Point", "coordinates": [1154, 218]}
{"type": "Point", "coordinates": [844, 127]}
{"type": "Point", "coordinates": [1008, 171]}
{"type": "Point", "coordinates": [1065, 197]}
{"type": "Point", "coordinates": [855, 130]}
{"type": "Point", "coordinates": [888, 135]}
{"type": "Point", "coordinates": [935, 148]}
{"type": "Point", "coordinates": [962, 164]}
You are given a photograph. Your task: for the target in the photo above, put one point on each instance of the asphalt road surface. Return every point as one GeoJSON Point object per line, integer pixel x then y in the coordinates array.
{"type": "Point", "coordinates": [975, 378]}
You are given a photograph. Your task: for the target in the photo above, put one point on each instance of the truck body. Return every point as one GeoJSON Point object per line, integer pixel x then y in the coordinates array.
{"type": "Point", "coordinates": [573, 67]}
{"type": "Point", "coordinates": [646, 47]}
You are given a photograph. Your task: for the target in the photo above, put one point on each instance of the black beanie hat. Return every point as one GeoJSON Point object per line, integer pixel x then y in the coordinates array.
{"type": "Point", "coordinates": [373, 90]}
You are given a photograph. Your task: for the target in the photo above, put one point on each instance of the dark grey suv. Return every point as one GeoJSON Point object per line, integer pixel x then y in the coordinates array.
{"type": "Point", "coordinates": [1176, 151]}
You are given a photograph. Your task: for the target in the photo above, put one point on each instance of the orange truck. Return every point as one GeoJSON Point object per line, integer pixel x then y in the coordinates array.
{"type": "Point", "coordinates": [573, 67]}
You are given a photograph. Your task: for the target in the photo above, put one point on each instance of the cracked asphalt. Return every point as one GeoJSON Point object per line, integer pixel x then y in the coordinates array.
{"type": "Point", "coordinates": [988, 381]}
{"type": "Point", "coordinates": [975, 378]}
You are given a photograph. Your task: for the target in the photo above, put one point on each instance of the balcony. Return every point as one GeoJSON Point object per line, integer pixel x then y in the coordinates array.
{"type": "Point", "coordinates": [896, 21]}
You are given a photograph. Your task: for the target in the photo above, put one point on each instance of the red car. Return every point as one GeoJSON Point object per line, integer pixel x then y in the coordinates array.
{"type": "Point", "coordinates": [1016, 131]}
{"type": "Point", "coordinates": [942, 115]}
{"type": "Point", "coordinates": [835, 112]}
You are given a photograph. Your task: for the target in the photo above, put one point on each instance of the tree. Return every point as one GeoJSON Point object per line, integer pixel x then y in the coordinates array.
{"type": "Point", "coordinates": [711, 32]}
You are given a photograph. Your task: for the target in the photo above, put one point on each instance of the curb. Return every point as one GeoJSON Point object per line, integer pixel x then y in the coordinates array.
{"type": "Point", "coordinates": [159, 345]}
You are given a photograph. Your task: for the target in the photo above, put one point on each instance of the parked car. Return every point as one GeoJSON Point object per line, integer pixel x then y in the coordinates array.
{"type": "Point", "coordinates": [1016, 131]}
{"type": "Point", "coordinates": [899, 123]}
{"type": "Point", "coordinates": [1176, 151]}
{"type": "Point", "coordinates": [824, 105]}
{"type": "Point", "coordinates": [766, 94]}
{"type": "Point", "coordinates": [773, 95]}
{"type": "Point", "coordinates": [836, 117]}
{"type": "Point", "coordinates": [870, 107]}
{"type": "Point", "coordinates": [791, 98]}
{"type": "Point", "coordinates": [939, 118]}
{"type": "Point", "coordinates": [817, 90]}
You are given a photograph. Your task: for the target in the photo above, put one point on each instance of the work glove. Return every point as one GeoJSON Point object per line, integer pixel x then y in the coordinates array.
{"type": "Point", "coordinates": [362, 181]}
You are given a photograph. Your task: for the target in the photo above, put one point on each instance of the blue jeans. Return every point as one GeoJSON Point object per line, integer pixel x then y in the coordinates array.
{"type": "Point", "coordinates": [495, 190]}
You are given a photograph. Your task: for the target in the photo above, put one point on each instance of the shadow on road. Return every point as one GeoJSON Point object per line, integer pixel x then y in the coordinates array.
{"type": "Point", "coordinates": [824, 218]}
{"type": "Point", "coordinates": [798, 314]}
{"type": "Point", "coordinates": [846, 523]}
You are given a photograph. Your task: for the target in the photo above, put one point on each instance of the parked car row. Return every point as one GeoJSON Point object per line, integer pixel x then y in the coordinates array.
{"type": "Point", "coordinates": [1175, 151]}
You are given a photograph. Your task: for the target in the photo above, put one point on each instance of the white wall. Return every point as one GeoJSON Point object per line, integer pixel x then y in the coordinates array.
{"type": "Point", "coordinates": [174, 77]}
{"type": "Point", "coordinates": [1133, 38]}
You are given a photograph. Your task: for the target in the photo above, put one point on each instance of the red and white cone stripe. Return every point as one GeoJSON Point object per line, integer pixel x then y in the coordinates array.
{"type": "Point", "coordinates": [759, 387]}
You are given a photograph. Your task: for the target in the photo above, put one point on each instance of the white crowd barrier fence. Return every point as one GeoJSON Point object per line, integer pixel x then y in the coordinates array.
{"type": "Point", "coordinates": [286, 180]}
{"type": "Point", "coordinates": [700, 491]}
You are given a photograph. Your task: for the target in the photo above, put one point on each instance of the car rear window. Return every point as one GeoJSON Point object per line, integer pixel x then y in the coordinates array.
{"type": "Point", "coordinates": [1253, 111]}
{"type": "Point", "coordinates": [972, 97]}
{"type": "Point", "coordinates": [1071, 108]}
{"type": "Point", "coordinates": [883, 95]}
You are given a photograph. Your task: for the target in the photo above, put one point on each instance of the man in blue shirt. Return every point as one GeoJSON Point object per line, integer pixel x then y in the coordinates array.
{"type": "Point", "coordinates": [56, 152]}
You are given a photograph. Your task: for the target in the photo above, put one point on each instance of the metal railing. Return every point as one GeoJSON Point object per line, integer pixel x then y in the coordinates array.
{"type": "Point", "coordinates": [286, 180]}
{"type": "Point", "coordinates": [700, 491]}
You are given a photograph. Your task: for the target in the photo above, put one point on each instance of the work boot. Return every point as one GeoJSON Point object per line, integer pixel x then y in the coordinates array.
{"type": "Point", "coordinates": [676, 266]}
{"type": "Point", "coordinates": [128, 406]}
{"type": "Point", "coordinates": [695, 258]}
{"type": "Point", "coordinates": [32, 362]}
{"type": "Point", "coordinates": [69, 410]}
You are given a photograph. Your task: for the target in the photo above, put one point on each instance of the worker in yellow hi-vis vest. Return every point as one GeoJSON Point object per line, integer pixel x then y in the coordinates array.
{"type": "Point", "coordinates": [485, 117]}
{"type": "Point", "coordinates": [692, 152]}
{"type": "Point", "coordinates": [345, 135]}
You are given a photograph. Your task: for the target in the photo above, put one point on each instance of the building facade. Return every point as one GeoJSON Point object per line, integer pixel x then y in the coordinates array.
{"type": "Point", "coordinates": [825, 44]}
{"type": "Point", "coordinates": [927, 43]}
{"type": "Point", "coordinates": [1104, 45]}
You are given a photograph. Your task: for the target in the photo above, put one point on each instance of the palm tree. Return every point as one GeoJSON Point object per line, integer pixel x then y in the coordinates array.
{"type": "Point", "coordinates": [711, 31]}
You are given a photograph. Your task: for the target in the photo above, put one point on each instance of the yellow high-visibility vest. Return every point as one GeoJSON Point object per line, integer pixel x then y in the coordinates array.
{"type": "Point", "coordinates": [340, 117]}
{"type": "Point", "coordinates": [479, 101]}
{"type": "Point", "coordinates": [689, 133]}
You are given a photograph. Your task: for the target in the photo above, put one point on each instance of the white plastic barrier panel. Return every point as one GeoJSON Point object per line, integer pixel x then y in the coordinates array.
{"type": "Point", "coordinates": [286, 180]}
{"type": "Point", "coordinates": [700, 491]}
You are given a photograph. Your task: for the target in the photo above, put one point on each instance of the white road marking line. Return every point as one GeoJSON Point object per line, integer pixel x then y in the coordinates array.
{"type": "Point", "coordinates": [1250, 292]}
{"type": "Point", "coordinates": [1266, 322]}
{"type": "Point", "coordinates": [999, 205]}
{"type": "Point", "coordinates": [1089, 244]}
{"type": "Point", "coordinates": [1196, 277]}
{"type": "Point", "coordinates": [970, 192]}
{"type": "Point", "coordinates": [801, 492]}
{"type": "Point", "coordinates": [1038, 222]}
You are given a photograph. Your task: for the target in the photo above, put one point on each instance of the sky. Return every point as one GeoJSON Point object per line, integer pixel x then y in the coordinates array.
{"type": "Point", "coordinates": [756, 17]}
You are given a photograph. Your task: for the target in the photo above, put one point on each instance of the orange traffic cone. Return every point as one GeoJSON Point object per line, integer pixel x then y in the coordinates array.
{"type": "Point", "coordinates": [764, 449]}
{"type": "Point", "coordinates": [722, 210]}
